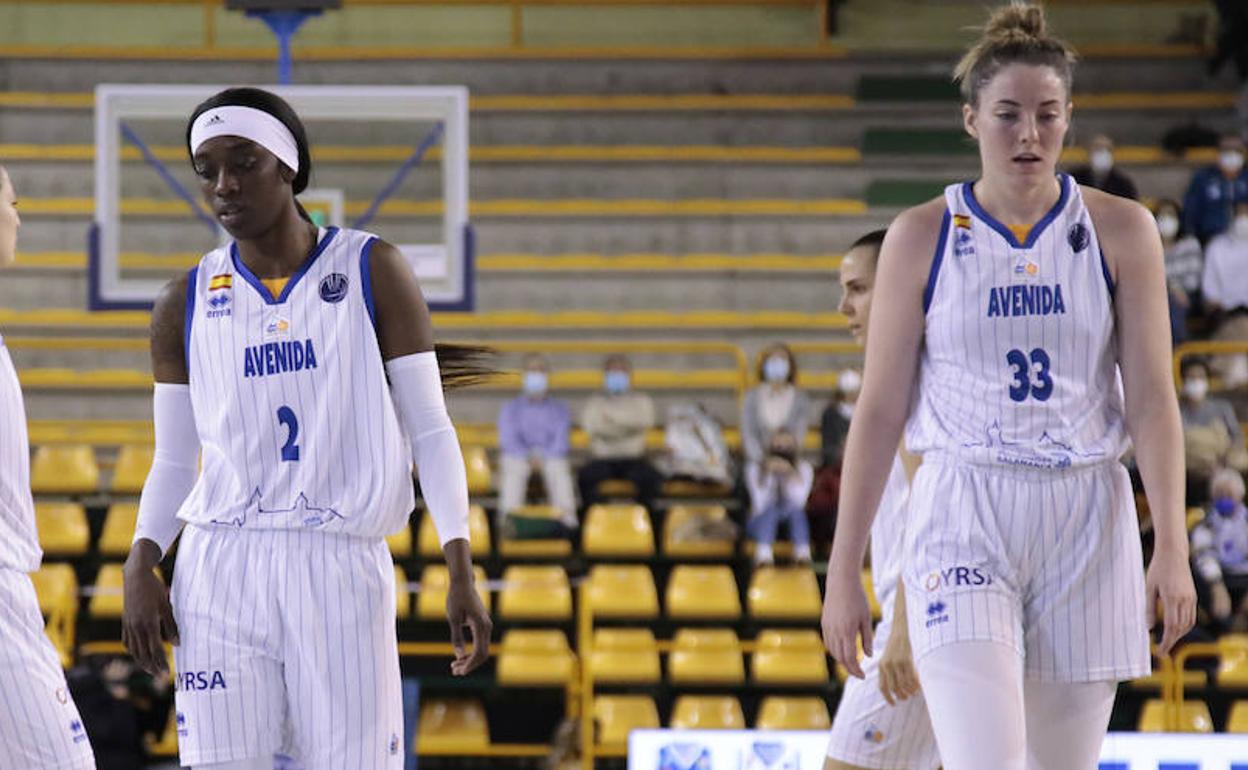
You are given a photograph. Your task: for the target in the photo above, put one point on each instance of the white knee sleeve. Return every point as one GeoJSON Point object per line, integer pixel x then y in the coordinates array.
{"type": "Point", "coordinates": [974, 693]}
{"type": "Point", "coordinates": [1066, 723]}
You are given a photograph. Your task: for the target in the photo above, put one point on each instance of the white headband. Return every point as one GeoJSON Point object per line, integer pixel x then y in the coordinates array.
{"type": "Point", "coordinates": [248, 123]}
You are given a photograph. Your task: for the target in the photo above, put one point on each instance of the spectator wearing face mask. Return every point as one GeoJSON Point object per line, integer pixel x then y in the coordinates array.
{"type": "Point", "coordinates": [834, 424]}
{"type": "Point", "coordinates": [1185, 265]}
{"type": "Point", "coordinates": [1209, 204]}
{"type": "Point", "coordinates": [774, 404]}
{"type": "Point", "coordinates": [779, 483]}
{"type": "Point", "coordinates": [533, 431]}
{"type": "Point", "coordinates": [1212, 438]}
{"type": "Point", "coordinates": [1100, 171]}
{"type": "Point", "coordinates": [1220, 554]}
{"type": "Point", "coordinates": [617, 421]}
{"type": "Point", "coordinates": [1224, 287]}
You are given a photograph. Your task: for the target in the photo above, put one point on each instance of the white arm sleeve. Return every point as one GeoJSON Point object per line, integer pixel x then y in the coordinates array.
{"type": "Point", "coordinates": [174, 466]}
{"type": "Point", "coordinates": [417, 390]}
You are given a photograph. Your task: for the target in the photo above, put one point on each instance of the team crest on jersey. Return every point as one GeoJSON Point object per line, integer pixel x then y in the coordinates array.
{"type": "Point", "coordinates": [277, 327]}
{"type": "Point", "coordinates": [334, 287]}
{"type": "Point", "coordinates": [1078, 237]}
{"type": "Point", "coordinates": [1027, 269]}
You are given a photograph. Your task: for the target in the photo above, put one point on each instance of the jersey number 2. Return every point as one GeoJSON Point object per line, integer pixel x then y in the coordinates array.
{"type": "Point", "coordinates": [290, 450]}
{"type": "Point", "coordinates": [1039, 388]}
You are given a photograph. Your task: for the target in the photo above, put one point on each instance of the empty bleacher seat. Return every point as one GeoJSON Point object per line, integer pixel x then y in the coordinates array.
{"type": "Point", "coordinates": [536, 547]}
{"type": "Point", "coordinates": [400, 542]}
{"type": "Point", "coordinates": [478, 534]}
{"type": "Point", "coordinates": [56, 588]}
{"type": "Point", "coordinates": [535, 593]}
{"type": "Point", "coordinates": [623, 591]}
{"type": "Point", "coordinates": [706, 656]}
{"type": "Point", "coordinates": [625, 656]}
{"type": "Point", "coordinates": [452, 726]}
{"type": "Point", "coordinates": [1194, 717]}
{"type": "Point", "coordinates": [618, 715]}
{"type": "Point", "coordinates": [804, 713]}
{"type": "Point", "coordinates": [617, 489]}
{"type": "Point", "coordinates": [682, 517]}
{"type": "Point", "coordinates": [64, 469]}
{"type": "Point", "coordinates": [617, 530]}
{"type": "Point", "coordinates": [534, 658]}
{"type": "Point", "coordinates": [118, 529]}
{"type": "Point", "coordinates": [402, 596]}
{"type": "Point", "coordinates": [1233, 661]}
{"type": "Point", "coordinates": [702, 593]}
{"type": "Point", "coordinates": [477, 465]}
{"type": "Point", "coordinates": [133, 463]}
{"type": "Point", "coordinates": [784, 593]}
{"type": "Point", "coordinates": [1237, 721]}
{"type": "Point", "coordinates": [789, 657]}
{"type": "Point", "coordinates": [62, 528]}
{"type": "Point", "coordinates": [707, 712]}
{"type": "Point", "coordinates": [435, 580]}
{"type": "Point", "coordinates": [873, 602]}
{"type": "Point", "coordinates": [106, 600]}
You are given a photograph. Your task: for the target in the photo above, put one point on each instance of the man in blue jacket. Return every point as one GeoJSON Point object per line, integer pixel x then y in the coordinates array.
{"type": "Point", "coordinates": [1214, 191]}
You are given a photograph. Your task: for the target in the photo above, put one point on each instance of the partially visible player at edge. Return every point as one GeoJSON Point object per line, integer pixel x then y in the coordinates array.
{"type": "Point", "coordinates": [1024, 340]}
{"type": "Point", "coordinates": [881, 722]}
{"type": "Point", "coordinates": [301, 360]}
{"type": "Point", "coordinates": [40, 728]}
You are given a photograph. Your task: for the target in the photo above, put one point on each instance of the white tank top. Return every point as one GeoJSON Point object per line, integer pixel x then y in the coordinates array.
{"type": "Point", "coordinates": [291, 400]}
{"type": "Point", "coordinates": [19, 541]}
{"type": "Point", "coordinates": [887, 536]}
{"type": "Point", "coordinates": [1019, 362]}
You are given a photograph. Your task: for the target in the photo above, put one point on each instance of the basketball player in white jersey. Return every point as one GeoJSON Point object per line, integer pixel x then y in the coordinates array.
{"type": "Point", "coordinates": [881, 722]}
{"type": "Point", "coordinates": [40, 728]}
{"type": "Point", "coordinates": [1019, 357]}
{"type": "Point", "coordinates": [300, 361]}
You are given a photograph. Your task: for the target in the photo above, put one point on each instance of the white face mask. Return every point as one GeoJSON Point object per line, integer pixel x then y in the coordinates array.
{"type": "Point", "coordinates": [1168, 225]}
{"type": "Point", "coordinates": [1231, 161]}
{"type": "Point", "coordinates": [850, 382]}
{"type": "Point", "coordinates": [1101, 160]}
{"type": "Point", "coordinates": [1195, 388]}
{"type": "Point", "coordinates": [1240, 227]}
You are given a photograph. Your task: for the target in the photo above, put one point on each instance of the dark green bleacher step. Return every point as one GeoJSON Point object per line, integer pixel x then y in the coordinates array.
{"type": "Point", "coordinates": [917, 141]}
{"type": "Point", "coordinates": [902, 192]}
{"type": "Point", "coordinates": [902, 88]}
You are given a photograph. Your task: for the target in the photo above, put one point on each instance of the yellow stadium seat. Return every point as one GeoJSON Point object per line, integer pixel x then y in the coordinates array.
{"type": "Point", "coordinates": [1195, 515]}
{"type": "Point", "coordinates": [400, 542]}
{"type": "Point", "coordinates": [1233, 661]}
{"type": "Point", "coordinates": [165, 744]}
{"type": "Point", "coordinates": [625, 656]}
{"type": "Point", "coordinates": [617, 488]}
{"type": "Point", "coordinates": [1156, 682]}
{"type": "Point", "coordinates": [536, 548]}
{"type": "Point", "coordinates": [805, 713]}
{"type": "Point", "coordinates": [706, 656]}
{"type": "Point", "coordinates": [677, 518]}
{"type": "Point", "coordinates": [62, 528]}
{"type": "Point", "coordinates": [478, 534]}
{"type": "Point", "coordinates": [873, 602]}
{"type": "Point", "coordinates": [702, 593]}
{"type": "Point", "coordinates": [434, 582]}
{"type": "Point", "coordinates": [106, 601]}
{"type": "Point", "coordinates": [133, 463]}
{"type": "Point", "coordinates": [477, 464]}
{"type": "Point", "coordinates": [785, 593]}
{"type": "Point", "coordinates": [623, 591]}
{"type": "Point", "coordinates": [118, 529]}
{"type": "Point", "coordinates": [1237, 722]}
{"type": "Point", "coordinates": [707, 712]}
{"type": "Point", "coordinates": [56, 585]}
{"type": "Point", "coordinates": [402, 596]}
{"type": "Point", "coordinates": [789, 657]}
{"type": "Point", "coordinates": [64, 469]}
{"type": "Point", "coordinates": [618, 715]}
{"type": "Point", "coordinates": [452, 726]}
{"type": "Point", "coordinates": [535, 593]}
{"type": "Point", "coordinates": [1194, 717]}
{"type": "Point", "coordinates": [534, 658]}
{"type": "Point", "coordinates": [619, 530]}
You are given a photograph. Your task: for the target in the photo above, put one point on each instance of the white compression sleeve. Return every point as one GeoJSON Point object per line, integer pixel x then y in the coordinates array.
{"type": "Point", "coordinates": [174, 466]}
{"type": "Point", "coordinates": [417, 390]}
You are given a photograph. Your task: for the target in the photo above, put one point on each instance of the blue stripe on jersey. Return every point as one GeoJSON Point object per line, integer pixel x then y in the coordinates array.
{"type": "Point", "coordinates": [191, 276]}
{"type": "Point", "coordinates": [936, 260]}
{"type": "Point", "coordinates": [1109, 279]}
{"type": "Point", "coordinates": [968, 192]}
{"type": "Point", "coordinates": [251, 278]}
{"type": "Point", "coordinates": [366, 279]}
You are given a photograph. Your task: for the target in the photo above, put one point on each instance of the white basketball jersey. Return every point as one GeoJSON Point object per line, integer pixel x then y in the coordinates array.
{"type": "Point", "coordinates": [1019, 363]}
{"type": "Point", "coordinates": [888, 538]}
{"type": "Point", "coordinates": [19, 541]}
{"type": "Point", "coordinates": [291, 399]}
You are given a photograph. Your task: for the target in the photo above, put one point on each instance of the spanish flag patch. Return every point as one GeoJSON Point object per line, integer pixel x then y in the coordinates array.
{"type": "Point", "coordinates": [222, 281]}
{"type": "Point", "coordinates": [962, 220]}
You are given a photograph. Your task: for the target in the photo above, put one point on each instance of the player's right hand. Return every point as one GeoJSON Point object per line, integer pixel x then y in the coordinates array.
{"type": "Point", "coordinates": [464, 608]}
{"type": "Point", "coordinates": [899, 679]}
{"type": "Point", "coordinates": [846, 616]}
{"type": "Point", "coordinates": [147, 617]}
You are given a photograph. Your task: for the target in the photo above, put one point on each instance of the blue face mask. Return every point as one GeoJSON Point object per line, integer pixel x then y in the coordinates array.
{"type": "Point", "coordinates": [1225, 505]}
{"type": "Point", "coordinates": [535, 383]}
{"type": "Point", "coordinates": [776, 369]}
{"type": "Point", "coordinates": [616, 381]}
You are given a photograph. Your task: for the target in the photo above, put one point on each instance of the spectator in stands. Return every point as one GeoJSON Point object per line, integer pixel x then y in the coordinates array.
{"type": "Point", "coordinates": [1100, 171]}
{"type": "Point", "coordinates": [1185, 264]}
{"type": "Point", "coordinates": [1224, 287]}
{"type": "Point", "coordinates": [1212, 438]}
{"type": "Point", "coordinates": [617, 421]}
{"type": "Point", "coordinates": [779, 483]}
{"type": "Point", "coordinates": [533, 431]}
{"type": "Point", "coordinates": [1215, 190]}
{"type": "Point", "coordinates": [834, 424]}
{"type": "Point", "coordinates": [1220, 554]}
{"type": "Point", "coordinates": [774, 404]}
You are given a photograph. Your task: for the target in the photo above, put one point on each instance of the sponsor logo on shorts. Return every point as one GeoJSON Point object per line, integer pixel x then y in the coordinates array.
{"type": "Point", "coordinates": [78, 732]}
{"type": "Point", "coordinates": [394, 744]}
{"type": "Point", "coordinates": [957, 577]}
{"type": "Point", "coordinates": [199, 680]}
{"type": "Point", "coordinates": [180, 720]}
{"type": "Point", "coordinates": [936, 614]}
{"type": "Point", "coordinates": [873, 734]}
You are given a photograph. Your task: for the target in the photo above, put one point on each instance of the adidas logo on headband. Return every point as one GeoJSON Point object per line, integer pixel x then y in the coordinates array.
{"type": "Point", "coordinates": [215, 120]}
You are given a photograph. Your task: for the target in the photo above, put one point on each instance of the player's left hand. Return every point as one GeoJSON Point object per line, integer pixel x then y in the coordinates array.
{"type": "Point", "coordinates": [1169, 584]}
{"type": "Point", "coordinates": [464, 608]}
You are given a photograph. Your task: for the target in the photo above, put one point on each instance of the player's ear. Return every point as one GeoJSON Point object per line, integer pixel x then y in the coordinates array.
{"type": "Point", "coordinates": [288, 176]}
{"type": "Point", "coordinates": [968, 120]}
